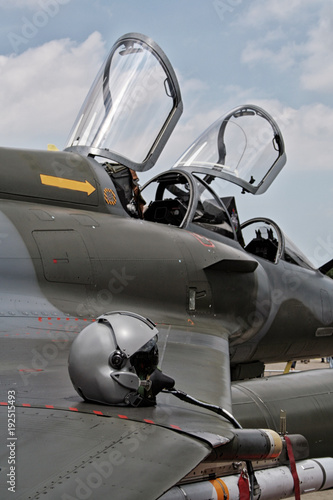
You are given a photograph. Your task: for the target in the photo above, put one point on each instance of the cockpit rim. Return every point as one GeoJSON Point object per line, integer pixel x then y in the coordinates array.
{"type": "Point", "coordinates": [287, 250]}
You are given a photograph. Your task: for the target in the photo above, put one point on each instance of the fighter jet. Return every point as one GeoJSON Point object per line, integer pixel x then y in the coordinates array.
{"type": "Point", "coordinates": [136, 323]}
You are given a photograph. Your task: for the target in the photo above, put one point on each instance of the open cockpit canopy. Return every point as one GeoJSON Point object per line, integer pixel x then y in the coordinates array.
{"type": "Point", "coordinates": [245, 147]}
{"type": "Point", "coordinates": [132, 106]}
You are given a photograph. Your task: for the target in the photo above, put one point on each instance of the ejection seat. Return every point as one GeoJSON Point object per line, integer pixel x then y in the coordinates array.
{"type": "Point", "coordinates": [263, 247]}
{"type": "Point", "coordinates": [165, 212]}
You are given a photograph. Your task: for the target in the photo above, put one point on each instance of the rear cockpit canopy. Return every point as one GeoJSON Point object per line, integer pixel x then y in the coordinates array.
{"type": "Point", "coordinates": [244, 146]}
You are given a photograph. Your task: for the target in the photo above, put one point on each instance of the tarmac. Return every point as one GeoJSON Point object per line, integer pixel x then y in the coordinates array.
{"type": "Point", "coordinates": [313, 364]}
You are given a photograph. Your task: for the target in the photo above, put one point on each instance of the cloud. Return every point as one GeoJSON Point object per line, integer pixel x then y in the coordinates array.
{"type": "Point", "coordinates": [264, 12]}
{"type": "Point", "coordinates": [309, 137]}
{"type": "Point", "coordinates": [292, 34]}
{"type": "Point", "coordinates": [281, 57]}
{"type": "Point", "coordinates": [307, 133]}
{"type": "Point", "coordinates": [191, 85]}
{"type": "Point", "coordinates": [318, 66]}
{"type": "Point", "coordinates": [42, 89]}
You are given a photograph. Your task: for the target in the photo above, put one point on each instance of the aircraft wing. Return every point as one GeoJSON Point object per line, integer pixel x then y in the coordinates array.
{"type": "Point", "coordinates": [64, 448]}
{"type": "Point", "coordinates": [67, 454]}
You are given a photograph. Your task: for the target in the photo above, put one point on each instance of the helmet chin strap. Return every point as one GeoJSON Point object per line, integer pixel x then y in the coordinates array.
{"type": "Point", "coordinates": [155, 383]}
{"type": "Point", "coordinates": [147, 384]}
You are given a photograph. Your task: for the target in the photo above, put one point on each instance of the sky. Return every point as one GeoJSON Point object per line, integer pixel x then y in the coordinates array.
{"type": "Point", "coordinates": [278, 55]}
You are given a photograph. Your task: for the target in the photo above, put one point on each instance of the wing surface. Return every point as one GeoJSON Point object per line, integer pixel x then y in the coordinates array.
{"type": "Point", "coordinates": [66, 454]}
{"type": "Point", "coordinates": [64, 448]}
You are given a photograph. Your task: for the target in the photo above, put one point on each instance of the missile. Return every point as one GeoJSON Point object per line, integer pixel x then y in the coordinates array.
{"type": "Point", "coordinates": [274, 483]}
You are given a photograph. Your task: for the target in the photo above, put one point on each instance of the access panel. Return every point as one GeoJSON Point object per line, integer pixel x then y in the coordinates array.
{"type": "Point", "coordinates": [64, 256]}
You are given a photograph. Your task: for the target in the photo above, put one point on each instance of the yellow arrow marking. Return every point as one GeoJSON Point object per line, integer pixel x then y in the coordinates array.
{"type": "Point", "coordinates": [85, 187]}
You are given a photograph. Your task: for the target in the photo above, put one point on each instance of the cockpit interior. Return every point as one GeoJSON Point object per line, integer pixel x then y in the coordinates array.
{"type": "Point", "coordinates": [187, 201]}
{"type": "Point", "coordinates": [180, 199]}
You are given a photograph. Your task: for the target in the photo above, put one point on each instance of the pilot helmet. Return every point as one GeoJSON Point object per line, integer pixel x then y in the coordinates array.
{"type": "Point", "coordinates": [110, 361]}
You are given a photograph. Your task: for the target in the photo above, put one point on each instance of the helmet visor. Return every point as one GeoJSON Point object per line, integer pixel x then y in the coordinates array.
{"type": "Point", "coordinates": [145, 360]}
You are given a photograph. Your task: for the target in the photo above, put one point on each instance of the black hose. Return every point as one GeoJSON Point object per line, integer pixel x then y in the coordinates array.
{"type": "Point", "coordinates": [223, 413]}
